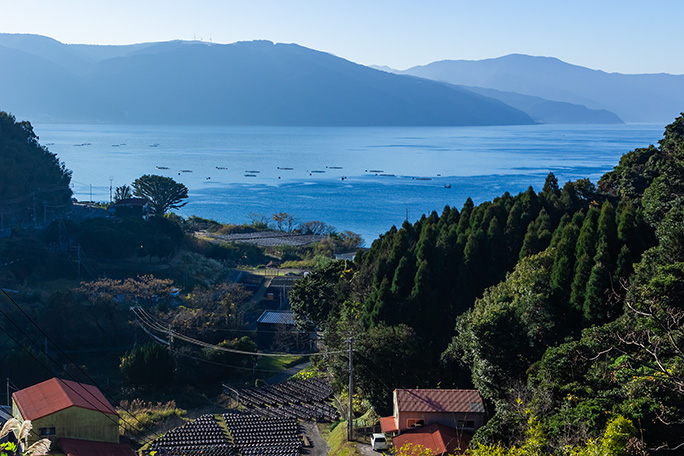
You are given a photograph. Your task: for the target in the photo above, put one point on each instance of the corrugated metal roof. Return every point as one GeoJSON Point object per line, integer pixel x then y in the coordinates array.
{"type": "Point", "coordinates": [388, 424]}
{"type": "Point", "coordinates": [277, 317]}
{"type": "Point", "coordinates": [76, 447]}
{"type": "Point", "coordinates": [56, 394]}
{"type": "Point", "coordinates": [438, 438]}
{"type": "Point", "coordinates": [439, 400]}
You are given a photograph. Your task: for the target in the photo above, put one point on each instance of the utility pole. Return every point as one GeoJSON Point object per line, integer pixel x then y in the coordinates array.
{"type": "Point", "coordinates": [78, 253]}
{"type": "Point", "coordinates": [350, 422]}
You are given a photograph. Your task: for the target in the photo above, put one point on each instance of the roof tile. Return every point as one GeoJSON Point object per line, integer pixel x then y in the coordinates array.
{"type": "Point", "coordinates": [438, 438]}
{"type": "Point", "coordinates": [56, 394]}
{"type": "Point", "coordinates": [75, 447]}
{"type": "Point", "coordinates": [439, 400]}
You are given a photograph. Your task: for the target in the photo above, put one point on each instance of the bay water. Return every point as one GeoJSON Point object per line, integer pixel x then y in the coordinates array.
{"type": "Point", "coordinates": [363, 179]}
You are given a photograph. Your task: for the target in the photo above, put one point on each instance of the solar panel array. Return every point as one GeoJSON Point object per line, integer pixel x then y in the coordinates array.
{"type": "Point", "coordinates": [247, 435]}
{"type": "Point", "coordinates": [306, 399]}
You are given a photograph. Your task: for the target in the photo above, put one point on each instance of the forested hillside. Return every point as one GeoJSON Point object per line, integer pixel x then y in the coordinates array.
{"type": "Point", "coordinates": [32, 180]}
{"type": "Point", "coordinates": [563, 306]}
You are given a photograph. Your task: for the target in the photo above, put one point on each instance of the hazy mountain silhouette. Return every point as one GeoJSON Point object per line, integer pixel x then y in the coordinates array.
{"type": "Point", "coordinates": [247, 83]}
{"type": "Point", "coordinates": [551, 112]}
{"type": "Point", "coordinates": [633, 97]}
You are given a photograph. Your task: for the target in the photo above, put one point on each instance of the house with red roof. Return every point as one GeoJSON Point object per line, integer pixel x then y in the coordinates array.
{"type": "Point", "coordinates": [440, 419]}
{"type": "Point", "coordinates": [76, 417]}
{"type": "Point", "coordinates": [440, 439]}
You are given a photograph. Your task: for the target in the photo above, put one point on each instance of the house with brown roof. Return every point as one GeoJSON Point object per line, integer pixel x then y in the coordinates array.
{"type": "Point", "coordinates": [76, 417]}
{"type": "Point", "coordinates": [422, 416]}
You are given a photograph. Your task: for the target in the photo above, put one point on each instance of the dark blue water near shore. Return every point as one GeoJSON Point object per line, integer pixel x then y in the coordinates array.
{"type": "Point", "coordinates": [360, 179]}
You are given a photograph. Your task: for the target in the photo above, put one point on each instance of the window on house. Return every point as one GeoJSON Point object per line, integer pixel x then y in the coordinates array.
{"type": "Point", "coordinates": [466, 424]}
{"type": "Point", "coordinates": [46, 431]}
{"type": "Point", "coordinates": [412, 422]}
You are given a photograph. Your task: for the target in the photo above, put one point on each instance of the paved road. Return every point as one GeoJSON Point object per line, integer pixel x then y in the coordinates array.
{"type": "Point", "coordinates": [286, 374]}
{"type": "Point", "coordinates": [319, 447]}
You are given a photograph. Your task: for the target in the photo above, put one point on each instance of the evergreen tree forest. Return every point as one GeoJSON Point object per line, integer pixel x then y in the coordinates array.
{"type": "Point", "coordinates": [33, 182]}
{"type": "Point", "coordinates": [562, 306]}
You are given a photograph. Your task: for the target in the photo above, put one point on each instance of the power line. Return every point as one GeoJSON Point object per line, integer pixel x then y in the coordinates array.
{"type": "Point", "coordinates": [41, 362]}
{"type": "Point", "coordinates": [148, 319]}
{"type": "Point", "coordinates": [62, 368]}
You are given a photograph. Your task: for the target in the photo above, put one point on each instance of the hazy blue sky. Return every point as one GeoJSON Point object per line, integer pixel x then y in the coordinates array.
{"type": "Point", "coordinates": [628, 36]}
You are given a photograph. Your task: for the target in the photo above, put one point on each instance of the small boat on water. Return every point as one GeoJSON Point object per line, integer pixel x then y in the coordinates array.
{"type": "Point", "coordinates": [221, 167]}
{"type": "Point", "coordinates": [185, 170]}
{"type": "Point", "coordinates": [375, 171]}
{"type": "Point", "coordinates": [162, 167]}
{"type": "Point", "coordinates": [423, 178]}
{"type": "Point", "coordinates": [83, 144]}
{"type": "Point", "coordinates": [334, 167]}
{"type": "Point", "coordinates": [386, 175]}
{"type": "Point", "coordinates": [317, 171]}
{"type": "Point", "coordinates": [253, 172]}
{"type": "Point", "coordinates": [286, 169]}
{"type": "Point", "coordinates": [447, 186]}
{"type": "Point", "coordinates": [154, 145]}
{"type": "Point", "coordinates": [250, 175]}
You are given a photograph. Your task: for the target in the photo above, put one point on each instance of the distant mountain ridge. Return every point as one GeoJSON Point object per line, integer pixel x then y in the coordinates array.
{"type": "Point", "coordinates": [633, 97]}
{"type": "Point", "coordinates": [246, 83]}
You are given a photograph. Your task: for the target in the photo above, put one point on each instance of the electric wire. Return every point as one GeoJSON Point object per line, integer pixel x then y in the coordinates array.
{"type": "Point", "coordinates": [20, 345]}
{"type": "Point", "coordinates": [147, 428]}
{"type": "Point", "coordinates": [171, 333]}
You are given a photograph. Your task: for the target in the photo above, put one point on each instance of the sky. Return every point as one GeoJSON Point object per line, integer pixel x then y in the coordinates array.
{"type": "Point", "coordinates": [625, 36]}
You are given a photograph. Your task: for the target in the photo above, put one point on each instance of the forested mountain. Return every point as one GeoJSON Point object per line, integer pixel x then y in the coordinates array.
{"type": "Point", "coordinates": [33, 182]}
{"type": "Point", "coordinates": [563, 305]}
{"type": "Point", "coordinates": [633, 97]}
{"type": "Point", "coordinates": [246, 83]}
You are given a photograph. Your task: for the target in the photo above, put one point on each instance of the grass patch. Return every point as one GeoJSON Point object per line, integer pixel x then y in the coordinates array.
{"type": "Point", "coordinates": [336, 436]}
{"type": "Point", "coordinates": [309, 371]}
{"type": "Point", "coordinates": [299, 264]}
{"type": "Point", "coordinates": [279, 363]}
{"type": "Point", "coordinates": [138, 415]}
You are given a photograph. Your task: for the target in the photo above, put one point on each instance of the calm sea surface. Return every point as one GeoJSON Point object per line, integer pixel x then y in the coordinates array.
{"type": "Point", "coordinates": [363, 179]}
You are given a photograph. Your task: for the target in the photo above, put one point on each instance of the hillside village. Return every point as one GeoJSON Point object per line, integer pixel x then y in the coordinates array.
{"type": "Point", "coordinates": [540, 323]}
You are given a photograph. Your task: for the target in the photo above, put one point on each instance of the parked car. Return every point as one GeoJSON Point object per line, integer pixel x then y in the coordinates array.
{"type": "Point", "coordinates": [379, 442]}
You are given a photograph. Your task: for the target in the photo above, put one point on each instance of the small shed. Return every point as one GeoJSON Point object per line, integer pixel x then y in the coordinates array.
{"type": "Point", "coordinates": [75, 417]}
{"type": "Point", "coordinates": [131, 207]}
{"type": "Point", "coordinates": [276, 329]}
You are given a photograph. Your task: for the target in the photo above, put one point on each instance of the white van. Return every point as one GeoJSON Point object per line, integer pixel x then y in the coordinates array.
{"type": "Point", "coordinates": [379, 442]}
